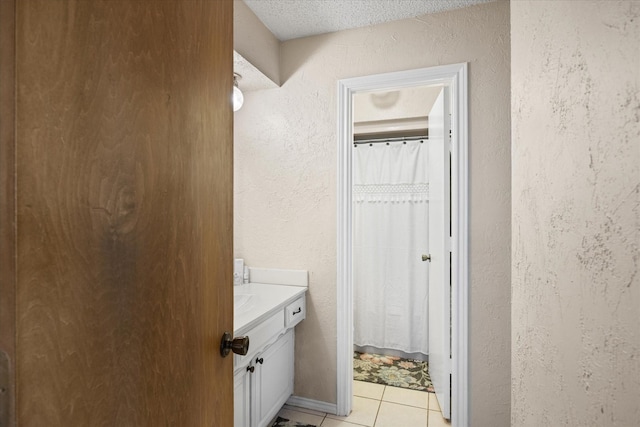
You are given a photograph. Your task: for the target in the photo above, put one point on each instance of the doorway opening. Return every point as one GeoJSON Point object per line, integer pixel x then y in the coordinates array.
{"type": "Point", "coordinates": [400, 192]}
{"type": "Point", "coordinates": [447, 253]}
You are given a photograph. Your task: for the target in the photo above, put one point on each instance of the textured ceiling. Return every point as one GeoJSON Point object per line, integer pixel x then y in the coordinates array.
{"type": "Point", "coordinates": [291, 19]}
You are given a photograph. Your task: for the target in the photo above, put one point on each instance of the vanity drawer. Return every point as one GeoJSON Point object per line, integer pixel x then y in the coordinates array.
{"type": "Point", "coordinates": [260, 336]}
{"type": "Point", "coordinates": [295, 312]}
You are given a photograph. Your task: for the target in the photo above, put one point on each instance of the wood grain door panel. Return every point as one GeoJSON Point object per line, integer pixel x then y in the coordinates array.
{"type": "Point", "coordinates": [124, 212]}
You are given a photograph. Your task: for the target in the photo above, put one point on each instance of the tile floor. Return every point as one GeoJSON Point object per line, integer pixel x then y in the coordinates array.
{"type": "Point", "coordinates": [377, 405]}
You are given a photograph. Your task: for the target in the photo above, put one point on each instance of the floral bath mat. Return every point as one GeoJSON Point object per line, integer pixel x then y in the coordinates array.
{"type": "Point", "coordinates": [391, 370]}
{"type": "Point", "coordinates": [283, 422]}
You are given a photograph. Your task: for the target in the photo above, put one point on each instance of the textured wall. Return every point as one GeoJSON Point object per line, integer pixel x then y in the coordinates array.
{"type": "Point", "coordinates": [285, 165]}
{"type": "Point", "coordinates": [576, 177]}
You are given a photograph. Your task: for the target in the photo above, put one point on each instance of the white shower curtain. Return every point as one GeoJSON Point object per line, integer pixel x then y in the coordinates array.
{"type": "Point", "coordinates": [390, 205]}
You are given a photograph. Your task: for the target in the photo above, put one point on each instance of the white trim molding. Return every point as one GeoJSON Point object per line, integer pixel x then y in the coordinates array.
{"type": "Point", "coordinates": [454, 76]}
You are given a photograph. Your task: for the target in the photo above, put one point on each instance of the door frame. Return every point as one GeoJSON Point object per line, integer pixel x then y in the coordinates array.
{"type": "Point", "coordinates": [454, 76]}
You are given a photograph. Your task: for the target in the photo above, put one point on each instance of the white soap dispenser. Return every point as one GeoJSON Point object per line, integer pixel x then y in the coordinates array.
{"type": "Point", "coordinates": [246, 275]}
{"type": "Point", "coordinates": [238, 271]}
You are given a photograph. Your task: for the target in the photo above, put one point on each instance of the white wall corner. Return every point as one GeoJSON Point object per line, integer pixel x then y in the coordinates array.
{"type": "Point", "coordinates": [254, 42]}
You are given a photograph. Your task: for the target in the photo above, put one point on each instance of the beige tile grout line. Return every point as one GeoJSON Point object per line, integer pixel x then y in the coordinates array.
{"type": "Point", "coordinates": [375, 420]}
{"type": "Point", "coordinates": [427, 409]}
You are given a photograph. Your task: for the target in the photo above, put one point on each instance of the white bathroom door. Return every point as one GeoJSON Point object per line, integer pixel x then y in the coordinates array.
{"type": "Point", "coordinates": [439, 248]}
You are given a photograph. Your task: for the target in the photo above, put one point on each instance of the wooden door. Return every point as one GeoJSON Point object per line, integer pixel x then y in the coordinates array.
{"type": "Point", "coordinates": [117, 209]}
{"type": "Point", "coordinates": [440, 250]}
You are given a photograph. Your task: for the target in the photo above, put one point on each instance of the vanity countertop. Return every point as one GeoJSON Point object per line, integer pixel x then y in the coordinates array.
{"type": "Point", "coordinates": [265, 300]}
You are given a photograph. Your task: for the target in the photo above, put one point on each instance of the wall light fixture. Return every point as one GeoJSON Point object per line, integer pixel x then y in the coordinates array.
{"type": "Point", "coordinates": [238, 97]}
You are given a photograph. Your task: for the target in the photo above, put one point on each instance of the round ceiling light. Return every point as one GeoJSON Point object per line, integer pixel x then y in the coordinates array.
{"type": "Point", "coordinates": [237, 97]}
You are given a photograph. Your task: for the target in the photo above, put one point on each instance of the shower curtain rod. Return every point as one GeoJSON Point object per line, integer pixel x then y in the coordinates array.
{"type": "Point", "coordinates": [387, 140]}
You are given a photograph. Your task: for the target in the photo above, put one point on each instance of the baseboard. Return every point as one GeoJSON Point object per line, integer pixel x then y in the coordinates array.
{"type": "Point", "coordinates": [316, 405]}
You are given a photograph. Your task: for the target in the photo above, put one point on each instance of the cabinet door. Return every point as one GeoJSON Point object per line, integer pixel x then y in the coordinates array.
{"type": "Point", "coordinates": [241, 398]}
{"type": "Point", "coordinates": [272, 380]}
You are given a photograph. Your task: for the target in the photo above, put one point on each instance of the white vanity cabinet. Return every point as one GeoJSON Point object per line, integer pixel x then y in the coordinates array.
{"type": "Point", "coordinates": [241, 398]}
{"type": "Point", "coordinates": [263, 379]}
{"type": "Point", "coordinates": [272, 380]}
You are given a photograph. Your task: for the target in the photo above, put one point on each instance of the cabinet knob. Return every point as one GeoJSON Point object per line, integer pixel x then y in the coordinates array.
{"type": "Point", "coordinates": [239, 345]}
{"type": "Point", "coordinates": [251, 368]}
{"type": "Point", "coordinates": [260, 360]}
{"type": "Point", "coordinates": [426, 257]}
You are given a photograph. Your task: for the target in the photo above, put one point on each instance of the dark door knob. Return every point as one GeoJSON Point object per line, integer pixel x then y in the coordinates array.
{"type": "Point", "coordinates": [239, 345]}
